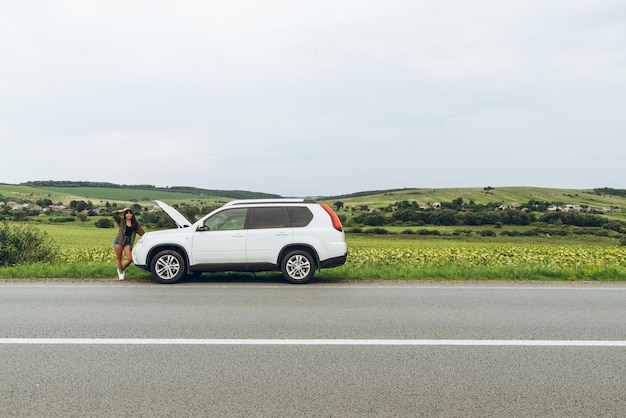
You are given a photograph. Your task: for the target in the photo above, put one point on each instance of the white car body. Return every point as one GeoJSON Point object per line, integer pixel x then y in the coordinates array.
{"type": "Point", "coordinates": [246, 235]}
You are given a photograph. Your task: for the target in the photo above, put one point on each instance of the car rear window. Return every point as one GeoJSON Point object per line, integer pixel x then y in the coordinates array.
{"type": "Point", "coordinates": [281, 217]}
{"type": "Point", "coordinates": [299, 216]}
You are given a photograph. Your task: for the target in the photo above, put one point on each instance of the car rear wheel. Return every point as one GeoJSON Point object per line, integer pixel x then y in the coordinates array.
{"type": "Point", "coordinates": [298, 266]}
{"type": "Point", "coordinates": [167, 267]}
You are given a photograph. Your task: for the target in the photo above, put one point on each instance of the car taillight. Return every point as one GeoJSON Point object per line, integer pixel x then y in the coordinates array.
{"type": "Point", "coordinates": [333, 217]}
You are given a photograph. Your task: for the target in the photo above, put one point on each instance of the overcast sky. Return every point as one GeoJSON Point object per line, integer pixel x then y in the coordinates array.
{"type": "Point", "coordinates": [304, 98]}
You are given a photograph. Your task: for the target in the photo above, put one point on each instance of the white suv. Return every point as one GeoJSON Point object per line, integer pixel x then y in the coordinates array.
{"type": "Point", "coordinates": [295, 236]}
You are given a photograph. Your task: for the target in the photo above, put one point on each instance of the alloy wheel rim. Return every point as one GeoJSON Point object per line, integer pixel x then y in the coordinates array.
{"type": "Point", "coordinates": [298, 267]}
{"type": "Point", "coordinates": [167, 267]}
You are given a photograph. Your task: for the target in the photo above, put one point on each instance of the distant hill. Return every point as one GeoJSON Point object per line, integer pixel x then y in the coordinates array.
{"type": "Point", "coordinates": [599, 197]}
{"type": "Point", "coordinates": [74, 186]}
{"type": "Point", "coordinates": [101, 192]}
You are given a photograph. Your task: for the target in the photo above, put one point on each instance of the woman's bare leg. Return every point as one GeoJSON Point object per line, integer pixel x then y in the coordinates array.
{"type": "Point", "coordinates": [118, 257]}
{"type": "Point", "coordinates": [129, 257]}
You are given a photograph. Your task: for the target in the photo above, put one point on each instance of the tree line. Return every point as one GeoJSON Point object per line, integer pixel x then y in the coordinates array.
{"type": "Point", "coordinates": [610, 191]}
{"type": "Point", "coordinates": [470, 214]}
{"type": "Point", "coordinates": [234, 194]}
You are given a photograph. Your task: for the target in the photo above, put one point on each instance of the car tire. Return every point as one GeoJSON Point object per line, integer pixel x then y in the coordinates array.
{"type": "Point", "coordinates": [168, 267]}
{"type": "Point", "coordinates": [298, 266]}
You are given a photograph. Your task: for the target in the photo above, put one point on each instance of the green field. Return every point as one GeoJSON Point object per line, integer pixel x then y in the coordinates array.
{"type": "Point", "coordinates": [506, 195]}
{"type": "Point", "coordinates": [103, 192]}
{"type": "Point", "coordinates": [79, 235]}
{"type": "Point", "coordinates": [458, 253]}
{"type": "Point", "coordinates": [128, 195]}
{"type": "Point", "coordinates": [86, 252]}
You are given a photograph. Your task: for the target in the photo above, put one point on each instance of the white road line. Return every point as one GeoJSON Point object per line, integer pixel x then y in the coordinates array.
{"type": "Point", "coordinates": [327, 342]}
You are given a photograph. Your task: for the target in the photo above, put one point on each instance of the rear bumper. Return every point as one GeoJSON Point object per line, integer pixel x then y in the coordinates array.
{"type": "Point", "coordinates": [334, 262]}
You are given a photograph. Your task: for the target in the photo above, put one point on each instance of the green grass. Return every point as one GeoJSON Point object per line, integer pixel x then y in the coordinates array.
{"type": "Point", "coordinates": [114, 194]}
{"type": "Point", "coordinates": [86, 252]}
{"type": "Point", "coordinates": [78, 234]}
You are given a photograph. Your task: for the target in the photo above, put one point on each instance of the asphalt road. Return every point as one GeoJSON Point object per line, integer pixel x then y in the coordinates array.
{"type": "Point", "coordinates": [328, 350]}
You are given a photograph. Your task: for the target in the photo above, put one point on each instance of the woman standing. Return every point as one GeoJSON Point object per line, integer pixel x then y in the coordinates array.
{"type": "Point", "coordinates": [123, 243]}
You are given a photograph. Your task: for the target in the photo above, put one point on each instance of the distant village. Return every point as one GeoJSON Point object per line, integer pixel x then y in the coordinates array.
{"type": "Point", "coordinates": [50, 208]}
{"type": "Point", "coordinates": [61, 209]}
{"type": "Point", "coordinates": [512, 206]}
{"type": "Point", "coordinates": [566, 208]}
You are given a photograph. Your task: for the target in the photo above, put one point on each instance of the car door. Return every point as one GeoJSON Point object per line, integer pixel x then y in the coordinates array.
{"type": "Point", "coordinates": [221, 239]}
{"type": "Point", "coordinates": [269, 231]}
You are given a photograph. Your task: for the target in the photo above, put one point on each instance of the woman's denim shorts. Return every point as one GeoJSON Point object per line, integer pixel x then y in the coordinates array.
{"type": "Point", "coordinates": [126, 242]}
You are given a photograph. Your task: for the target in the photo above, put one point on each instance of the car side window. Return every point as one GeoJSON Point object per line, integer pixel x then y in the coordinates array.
{"type": "Point", "coordinates": [270, 217]}
{"type": "Point", "coordinates": [227, 220]}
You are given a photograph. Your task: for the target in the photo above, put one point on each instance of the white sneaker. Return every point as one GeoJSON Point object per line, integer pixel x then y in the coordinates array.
{"type": "Point", "coordinates": [120, 275]}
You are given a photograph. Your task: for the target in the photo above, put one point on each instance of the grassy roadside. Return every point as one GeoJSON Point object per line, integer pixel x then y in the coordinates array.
{"type": "Point", "coordinates": [372, 257]}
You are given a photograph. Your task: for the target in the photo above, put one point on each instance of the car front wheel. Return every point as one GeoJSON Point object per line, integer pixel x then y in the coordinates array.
{"type": "Point", "coordinates": [298, 266]}
{"type": "Point", "coordinates": [167, 267]}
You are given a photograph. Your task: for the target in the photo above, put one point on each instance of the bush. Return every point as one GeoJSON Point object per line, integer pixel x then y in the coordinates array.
{"type": "Point", "coordinates": [104, 223]}
{"type": "Point", "coordinates": [428, 232]}
{"type": "Point", "coordinates": [19, 215]}
{"type": "Point", "coordinates": [377, 231]}
{"type": "Point", "coordinates": [372, 219]}
{"type": "Point", "coordinates": [157, 220]}
{"type": "Point", "coordinates": [617, 226]}
{"type": "Point", "coordinates": [62, 219]}
{"type": "Point", "coordinates": [24, 244]}
{"type": "Point", "coordinates": [463, 233]}
{"type": "Point", "coordinates": [511, 233]}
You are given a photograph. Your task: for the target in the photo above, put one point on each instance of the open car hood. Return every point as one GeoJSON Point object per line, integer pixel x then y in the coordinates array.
{"type": "Point", "coordinates": [176, 216]}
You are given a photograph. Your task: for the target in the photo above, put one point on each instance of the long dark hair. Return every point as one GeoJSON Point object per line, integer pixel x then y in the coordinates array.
{"type": "Point", "coordinates": [133, 221]}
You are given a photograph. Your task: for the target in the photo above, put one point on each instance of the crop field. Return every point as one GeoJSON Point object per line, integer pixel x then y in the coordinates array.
{"type": "Point", "coordinates": [446, 259]}
{"type": "Point", "coordinates": [86, 251]}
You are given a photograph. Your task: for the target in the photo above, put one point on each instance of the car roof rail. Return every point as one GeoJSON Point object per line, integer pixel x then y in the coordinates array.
{"type": "Point", "coordinates": [268, 201]}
